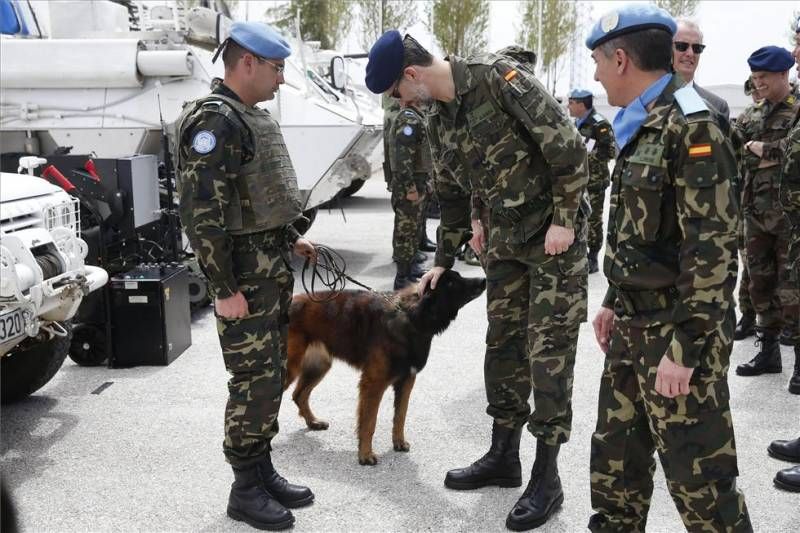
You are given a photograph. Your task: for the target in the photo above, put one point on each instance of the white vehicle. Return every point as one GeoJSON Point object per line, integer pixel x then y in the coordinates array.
{"type": "Point", "coordinates": [43, 280]}
{"type": "Point", "coordinates": [94, 75]}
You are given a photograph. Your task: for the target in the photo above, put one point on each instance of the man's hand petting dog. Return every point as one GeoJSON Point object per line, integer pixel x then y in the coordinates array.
{"type": "Point", "coordinates": [431, 276]}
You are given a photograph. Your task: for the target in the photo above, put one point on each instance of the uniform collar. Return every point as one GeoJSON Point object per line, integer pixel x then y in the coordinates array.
{"type": "Point", "coordinates": [630, 118]}
{"type": "Point", "coordinates": [463, 82]}
{"type": "Point", "coordinates": [224, 90]}
{"type": "Point", "coordinates": [580, 120]}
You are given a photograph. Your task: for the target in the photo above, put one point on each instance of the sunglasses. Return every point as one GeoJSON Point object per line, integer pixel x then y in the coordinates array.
{"type": "Point", "coordinates": [278, 68]}
{"type": "Point", "coordinates": [681, 46]}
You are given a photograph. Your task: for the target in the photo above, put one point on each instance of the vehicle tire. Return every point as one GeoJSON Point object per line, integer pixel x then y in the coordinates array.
{"type": "Point", "coordinates": [31, 364]}
{"type": "Point", "coordinates": [351, 189]}
{"type": "Point", "coordinates": [88, 346]}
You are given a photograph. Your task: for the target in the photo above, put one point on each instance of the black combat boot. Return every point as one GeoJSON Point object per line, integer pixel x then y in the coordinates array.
{"type": "Point", "coordinates": [276, 485]}
{"type": "Point", "coordinates": [746, 326]}
{"type": "Point", "coordinates": [794, 381]}
{"type": "Point", "coordinates": [785, 450]}
{"type": "Point", "coordinates": [768, 358]}
{"type": "Point", "coordinates": [593, 265]}
{"type": "Point", "coordinates": [500, 466]}
{"type": "Point", "coordinates": [419, 257]}
{"type": "Point", "coordinates": [543, 495]}
{"type": "Point", "coordinates": [250, 503]}
{"type": "Point", "coordinates": [403, 277]}
{"type": "Point", "coordinates": [425, 244]}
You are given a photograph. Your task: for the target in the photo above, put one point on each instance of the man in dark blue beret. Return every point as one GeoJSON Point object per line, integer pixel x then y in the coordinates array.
{"type": "Point", "coordinates": [239, 200]}
{"type": "Point", "coordinates": [667, 320]}
{"type": "Point", "coordinates": [499, 138]}
{"type": "Point", "coordinates": [764, 131]}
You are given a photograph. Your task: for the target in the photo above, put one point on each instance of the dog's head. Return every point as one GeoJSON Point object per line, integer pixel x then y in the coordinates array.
{"type": "Point", "coordinates": [439, 306]}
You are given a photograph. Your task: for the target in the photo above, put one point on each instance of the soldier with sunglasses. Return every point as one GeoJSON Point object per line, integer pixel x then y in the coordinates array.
{"type": "Point", "coordinates": [239, 200]}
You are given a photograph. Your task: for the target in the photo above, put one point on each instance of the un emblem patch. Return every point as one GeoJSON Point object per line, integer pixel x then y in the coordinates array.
{"type": "Point", "coordinates": [203, 142]}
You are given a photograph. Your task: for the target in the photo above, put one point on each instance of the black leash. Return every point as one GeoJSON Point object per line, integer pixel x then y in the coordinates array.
{"type": "Point", "coordinates": [329, 271]}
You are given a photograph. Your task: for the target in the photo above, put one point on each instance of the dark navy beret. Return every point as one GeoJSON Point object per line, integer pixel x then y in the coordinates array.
{"type": "Point", "coordinates": [579, 93]}
{"type": "Point", "coordinates": [770, 59]}
{"type": "Point", "coordinates": [260, 39]}
{"type": "Point", "coordinates": [628, 19]}
{"type": "Point", "coordinates": [385, 62]}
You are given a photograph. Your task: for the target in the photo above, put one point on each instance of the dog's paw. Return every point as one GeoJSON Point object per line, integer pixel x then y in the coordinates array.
{"type": "Point", "coordinates": [401, 446]}
{"type": "Point", "coordinates": [318, 425]}
{"type": "Point", "coordinates": [369, 459]}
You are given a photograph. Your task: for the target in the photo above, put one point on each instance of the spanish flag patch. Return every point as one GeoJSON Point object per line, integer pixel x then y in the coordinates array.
{"type": "Point", "coordinates": [700, 150]}
{"type": "Point", "coordinates": [510, 75]}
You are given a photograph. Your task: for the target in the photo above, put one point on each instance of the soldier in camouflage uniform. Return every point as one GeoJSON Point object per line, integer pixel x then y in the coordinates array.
{"type": "Point", "coordinates": [239, 198]}
{"type": "Point", "coordinates": [410, 162]}
{"type": "Point", "coordinates": [763, 132]}
{"type": "Point", "coordinates": [746, 326]}
{"type": "Point", "coordinates": [599, 138]}
{"type": "Point", "coordinates": [667, 318]}
{"type": "Point", "coordinates": [498, 134]}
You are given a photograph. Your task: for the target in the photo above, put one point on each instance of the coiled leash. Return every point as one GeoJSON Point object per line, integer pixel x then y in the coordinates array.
{"type": "Point", "coordinates": [329, 271]}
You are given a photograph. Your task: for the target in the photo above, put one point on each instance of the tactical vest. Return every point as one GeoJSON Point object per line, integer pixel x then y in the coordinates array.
{"type": "Point", "coordinates": [422, 151]}
{"type": "Point", "coordinates": [265, 193]}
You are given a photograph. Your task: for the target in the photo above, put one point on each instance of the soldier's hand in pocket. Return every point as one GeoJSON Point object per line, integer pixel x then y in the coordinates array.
{"type": "Point", "coordinates": [232, 307]}
{"type": "Point", "coordinates": [672, 379]}
{"type": "Point", "coordinates": [558, 239]}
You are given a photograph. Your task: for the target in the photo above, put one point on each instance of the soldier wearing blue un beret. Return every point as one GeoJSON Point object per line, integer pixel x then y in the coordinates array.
{"type": "Point", "coordinates": [667, 320]}
{"type": "Point", "coordinates": [599, 138]}
{"type": "Point", "coordinates": [238, 202]}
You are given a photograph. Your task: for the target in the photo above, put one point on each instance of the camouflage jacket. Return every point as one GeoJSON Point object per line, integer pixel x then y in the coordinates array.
{"type": "Point", "coordinates": [505, 139]}
{"type": "Point", "coordinates": [672, 224]}
{"type": "Point", "coordinates": [410, 152]}
{"type": "Point", "coordinates": [214, 152]}
{"type": "Point", "coordinates": [597, 130]}
{"type": "Point", "coordinates": [790, 179]}
{"type": "Point", "coordinates": [770, 124]}
{"type": "Point", "coordinates": [391, 108]}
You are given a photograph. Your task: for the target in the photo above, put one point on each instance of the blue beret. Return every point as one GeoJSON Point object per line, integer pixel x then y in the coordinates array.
{"type": "Point", "coordinates": [770, 59]}
{"type": "Point", "coordinates": [385, 62]}
{"type": "Point", "coordinates": [628, 19]}
{"type": "Point", "coordinates": [260, 39]}
{"type": "Point", "coordinates": [579, 93]}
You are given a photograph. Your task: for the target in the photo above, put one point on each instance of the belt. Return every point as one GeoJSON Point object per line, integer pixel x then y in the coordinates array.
{"type": "Point", "coordinates": [634, 302]}
{"type": "Point", "coordinates": [261, 240]}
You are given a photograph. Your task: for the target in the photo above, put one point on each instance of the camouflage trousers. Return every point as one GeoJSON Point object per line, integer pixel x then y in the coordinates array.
{"type": "Point", "coordinates": [743, 297]}
{"type": "Point", "coordinates": [535, 305]}
{"type": "Point", "coordinates": [407, 226]}
{"type": "Point", "coordinates": [595, 240]}
{"type": "Point", "coordinates": [693, 435]}
{"type": "Point", "coordinates": [775, 298]}
{"type": "Point", "coordinates": [254, 351]}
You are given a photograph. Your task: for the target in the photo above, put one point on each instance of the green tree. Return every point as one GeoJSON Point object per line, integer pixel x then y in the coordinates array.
{"type": "Point", "coordinates": [326, 21]}
{"type": "Point", "coordinates": [678, 8]}
{"type": "Point", "coordinates": [377, 16]}
{"type": "Point", "coordinates": [559, 20]}
{"type": "Point", "coordinates": [792, 33]}
{"type": "Point", "coordinates": [459, 26]}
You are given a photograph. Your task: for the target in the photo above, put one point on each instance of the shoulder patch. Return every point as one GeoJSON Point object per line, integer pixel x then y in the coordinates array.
{"type": "Point", "coordinates": [690, 101]}
{"type": "Point", "coordinates": [408, 131]}
{"type": "Point", "coordinates": [204, 141]}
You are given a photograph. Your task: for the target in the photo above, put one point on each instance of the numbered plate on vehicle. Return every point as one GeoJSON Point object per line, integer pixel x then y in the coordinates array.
{"type": "Point", "coordinates": [12, 325]}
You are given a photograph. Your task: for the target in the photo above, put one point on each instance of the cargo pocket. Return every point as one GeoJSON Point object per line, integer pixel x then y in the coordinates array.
{"type": "Point", "coordinates": [642, 188]}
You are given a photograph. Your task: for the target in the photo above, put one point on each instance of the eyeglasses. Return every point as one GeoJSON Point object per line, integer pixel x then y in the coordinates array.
{"type": "Point", "coordinates": [682, 46]}
{"type": "Point", "coordinates": [278, 68]}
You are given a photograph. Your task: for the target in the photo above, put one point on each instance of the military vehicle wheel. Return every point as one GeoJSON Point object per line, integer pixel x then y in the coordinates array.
{"type": "Point", "coordinates": [31, 364]}
{"type": "Point", "coordinates": [88, 346]}
{"type": "Point", "coordinates": [351, 189]}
